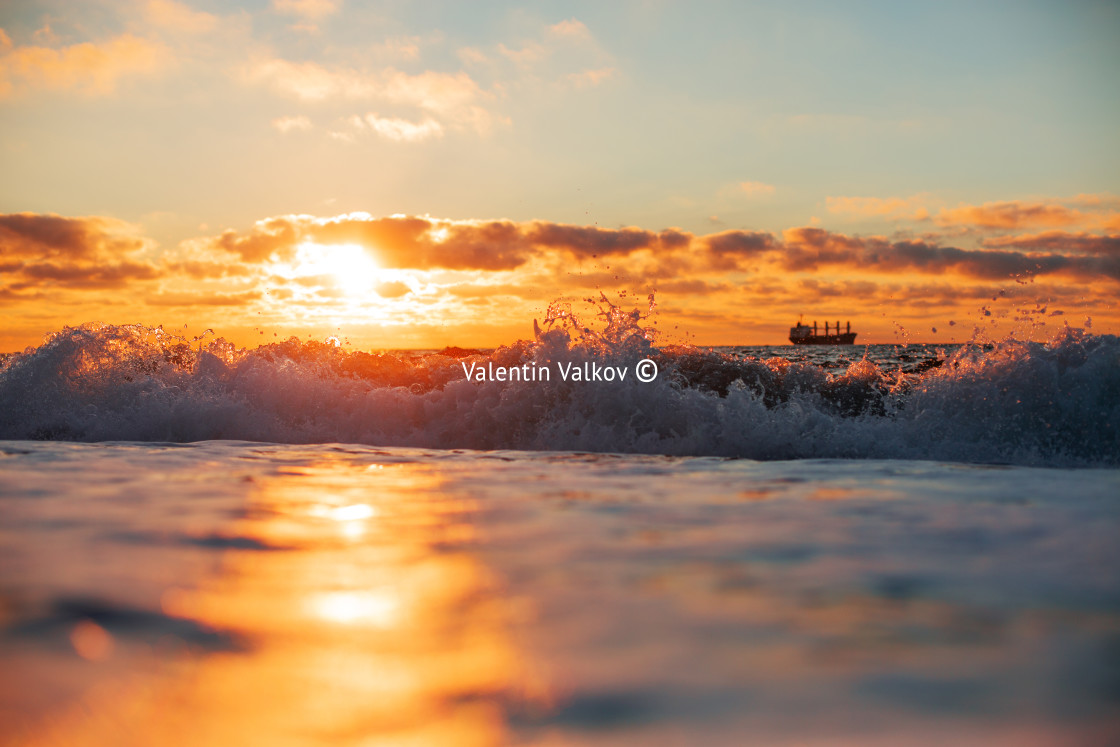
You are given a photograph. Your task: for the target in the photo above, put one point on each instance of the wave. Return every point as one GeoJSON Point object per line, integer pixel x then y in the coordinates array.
{"type": "Point", "coordinates": [1026, 403]}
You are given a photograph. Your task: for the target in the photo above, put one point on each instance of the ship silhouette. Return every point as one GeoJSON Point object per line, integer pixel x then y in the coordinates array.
{"type": "Point", "coordinates": [803, 334]}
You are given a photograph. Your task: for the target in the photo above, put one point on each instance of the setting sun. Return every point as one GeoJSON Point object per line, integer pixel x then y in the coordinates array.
{"type": "Point", "coordinates": [350, 266]}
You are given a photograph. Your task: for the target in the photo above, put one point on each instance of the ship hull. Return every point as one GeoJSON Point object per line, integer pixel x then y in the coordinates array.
{"type": "Point", "coordinates": [848, 338]}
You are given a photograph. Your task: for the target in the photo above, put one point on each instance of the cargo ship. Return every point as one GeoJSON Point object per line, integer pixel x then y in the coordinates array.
{"type": "Point", "coordinates": [803, 334]}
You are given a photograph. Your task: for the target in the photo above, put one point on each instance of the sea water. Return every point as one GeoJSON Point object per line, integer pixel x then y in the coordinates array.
{"type": "Point", "coordinates": [303, 544]}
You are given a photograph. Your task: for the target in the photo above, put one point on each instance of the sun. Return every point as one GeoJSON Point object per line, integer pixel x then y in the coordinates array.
{"type": "Point", "coordinates": [350, 266]}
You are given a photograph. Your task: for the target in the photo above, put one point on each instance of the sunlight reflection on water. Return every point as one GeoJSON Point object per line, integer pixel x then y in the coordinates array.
{"type": "Point", "coordinates": [290, 595]}
{"type": "Point", "coordinates": [357, 628]}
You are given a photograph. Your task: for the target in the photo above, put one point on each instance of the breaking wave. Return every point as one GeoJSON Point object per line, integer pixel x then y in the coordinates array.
{"type": "Point", "coordinates": [1027, 403]}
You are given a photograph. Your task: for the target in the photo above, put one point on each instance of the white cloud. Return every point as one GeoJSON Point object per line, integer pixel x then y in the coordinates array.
{"type": "Point", "coordinates": [454, 98]}
{"type": "Point", "coordinates": [290, 124]}
{"type": "Point", "coordinates": [310, 81]}
{"type": "Point", "coordinates": [402, 130]}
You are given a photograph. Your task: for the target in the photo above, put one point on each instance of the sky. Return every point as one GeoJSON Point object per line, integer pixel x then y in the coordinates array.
{"type": "Point", "coordinates": [421, 174]}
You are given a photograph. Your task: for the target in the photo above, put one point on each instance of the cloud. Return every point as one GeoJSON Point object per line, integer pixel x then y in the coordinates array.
{"type": "Point", "coordinates": [178, 17]}
{"type": "Point", "coordinates": [455, 99]}
{"type": "Point", "coordinates": [423, 243]}
{"type": "Point", "coordinates": [46, 252]}
{"type": "Point", "coordinates": [270, 238]}
{"type": "Point", "coordinates": [1010, 215]}
{"type": "Point", "coordinates": [691, 287]}
{"type": "Point", "coordinates": [410, 242]}
{"type": "Point", "coordinates": [204, 299]}
{"type": "Point", "coordinates": [486, 290]}
{"type": "Point", "coordinates": [555, 39]}
{"type": "Point", "coordinates": [572, 28]}
{"type": "Point", "coordinates": [310, 81]}
{"type": "Point", "coordinates": [110, 275]}
{"type": "Point", "coordinates": [1099, 211]}
{"type": "Point", "coordinates": [400, 48]}
{"type": "Point", "coordinates": [892, 208]}
{"type": "Point", "coordinates": [453, 96]}
{"type": "Point", "coordinates": [1060, 241]}
{"type": "Point", "coordinates": [562, 56]}
{"type": "Point", "coordinates": [808, 249]}
{"type": "Point", "coordinates": [674, 238]}
{"type": "Point", "coordinates": [1099, 200]}
{"type": "Point", "coordinates": [591, 241]}
{"type": "Point", "coordinates": [589, 78]}
{"type": "Point", "coordinates": [312, 10]}
{"type": "Point", "coordinates": [76, 253]}
{"type": "Point", "coordinates": [490, 245]}
{"type": "Point", "coordinates": [755, 189]}
{"type": "Point", "coordinates": [473, 56]}
{"type": "Point", "coordinates": [401, 130]}
{"type": "Point", "coordinates": [846, 289]}
{"type": "Point", "coordinates": [393, 289]}
{"type": "Point", "coordinates": [739, 242]}
{"type": "Point", "coordinates": [50, 237]}
{"type": "Point", "coordinates": [728, 249]}
{"type": "Point", "coordinates": [290, 124]}
{"type": "Point", "coordinates": [92, 69]}
{"type": "Point", "coordinates": [206, 270]}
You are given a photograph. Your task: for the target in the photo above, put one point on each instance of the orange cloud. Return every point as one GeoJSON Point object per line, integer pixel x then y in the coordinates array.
{"type": "Point", "coordinates": [35, 236]}
{"type": "Point", "coordinates": [179, 17]}
{"type": "Point", "coordinates": [1010, 215]}
{"type": "Point", "coordinates": [272, 237]}
{"type": "Point", "coordinates": [494, 274]}
{"type": "Point", "coordinates": [204, 299]}
{"type": "Point", "coordinates": [728, 249]}
{"type": "Point", "coordinates": [1060, 241]}
{"type": "Point", "coordinates": [755, 189]}
{"type": "Point", "coordinates": [425, 243]}
{"type": "Point", "coordinates": [86, 68]}
{"type": "Point", "coordinates": [893, 208]}
{"type": "Point", "coordinates": [39, 251]}
{"type": "Point", "coordinates": [808, 249]}
{"type": "Point", "coordinates": [1087, 210]}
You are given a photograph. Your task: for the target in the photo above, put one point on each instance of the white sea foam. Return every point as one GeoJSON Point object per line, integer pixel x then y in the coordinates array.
{"type": "Point", "coordinates": [1048, 404]}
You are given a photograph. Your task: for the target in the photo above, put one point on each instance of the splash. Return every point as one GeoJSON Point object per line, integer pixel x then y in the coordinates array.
{"type": "Point", "coordinates": [1053, 403]}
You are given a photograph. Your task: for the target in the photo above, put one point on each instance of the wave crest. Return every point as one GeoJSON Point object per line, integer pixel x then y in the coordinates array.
{"type": "Point", "coordinates": [1047, 404]}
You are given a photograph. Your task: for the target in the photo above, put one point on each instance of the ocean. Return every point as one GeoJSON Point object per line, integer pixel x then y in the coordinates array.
{"type": "Point", "coordinates": [306, 544]}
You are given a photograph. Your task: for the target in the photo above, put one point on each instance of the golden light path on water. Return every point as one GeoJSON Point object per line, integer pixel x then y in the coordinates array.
{"type": "Point", "coordinates": [356, 630]}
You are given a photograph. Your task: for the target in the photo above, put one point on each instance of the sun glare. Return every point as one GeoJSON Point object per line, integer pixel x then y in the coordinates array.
{"type": "Point", "coordinates": [350, 266]}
